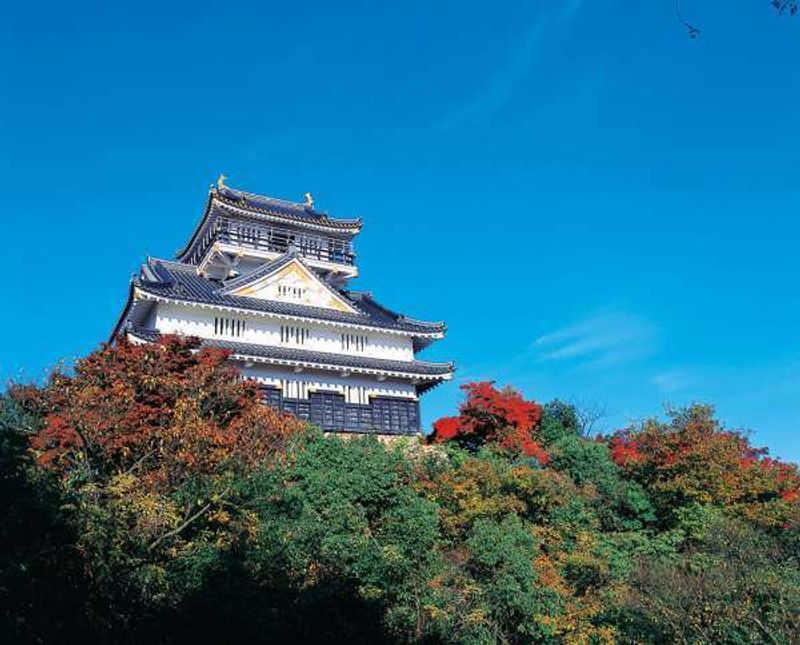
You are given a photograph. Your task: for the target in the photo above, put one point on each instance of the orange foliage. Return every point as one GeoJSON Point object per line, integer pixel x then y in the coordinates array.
{"type": "Point", "coordinates": [164, 412]}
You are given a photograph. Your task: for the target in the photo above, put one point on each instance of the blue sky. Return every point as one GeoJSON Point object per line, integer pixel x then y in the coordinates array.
{"type": "Point", "coordinates": [602, 209]}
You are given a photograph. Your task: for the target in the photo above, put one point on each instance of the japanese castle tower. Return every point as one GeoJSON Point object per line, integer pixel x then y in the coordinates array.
{"type": "Point", "coordinates": [266, 279]}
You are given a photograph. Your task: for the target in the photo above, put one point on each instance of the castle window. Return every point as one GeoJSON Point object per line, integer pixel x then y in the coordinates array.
{"type": "Point", "coordinates": [287, 291]}
{"type": "Point", "coordinates": [354, 342]}
{"type": "Point", "coordinates": [291, 335]}
{"type": "Point", "coordinates": [228, 326]}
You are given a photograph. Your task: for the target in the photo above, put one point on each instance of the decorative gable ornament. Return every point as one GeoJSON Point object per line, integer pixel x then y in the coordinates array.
{"type": "Point", "coordinates": [288, 279]}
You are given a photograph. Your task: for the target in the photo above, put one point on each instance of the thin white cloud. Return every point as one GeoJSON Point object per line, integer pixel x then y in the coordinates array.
{"type": "Point", "coordinates": [673, 381]}
{"type": "Point", "coordinates": [605, 338]}
{"type": "Point", "coordinates": [502, 85]}
{"type": "Point", "coordinates": [772, 380]}
{"type": "Point", "coordinates": [500, 88]}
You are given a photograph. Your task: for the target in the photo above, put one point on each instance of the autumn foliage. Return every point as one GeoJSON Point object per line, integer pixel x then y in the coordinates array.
{"type": "Point", "coordinates": [152, 498]}
{"type": "Point", "coordinates": [692, 459]}
{"type": "Point", "coordinates": [500, 417]}
{"type": "Point", "coordinates": [164, 412]}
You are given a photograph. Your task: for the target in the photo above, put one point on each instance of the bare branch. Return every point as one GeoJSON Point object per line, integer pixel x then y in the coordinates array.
{"type": "Point", "coordinates": [191, 519]}
{"type": "Point", "coordinates": [692, 30]}
{"type": "Point", "coordinates": [587, 414]}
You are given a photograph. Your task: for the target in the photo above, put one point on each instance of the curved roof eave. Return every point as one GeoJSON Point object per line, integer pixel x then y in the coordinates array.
{"type": "Point", "coordinates": [433, 334]}
{"type": "Point", "coordinates": [123, 317]}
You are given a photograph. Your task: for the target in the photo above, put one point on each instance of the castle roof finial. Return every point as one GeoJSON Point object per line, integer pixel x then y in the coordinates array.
{"type": "Point", "coordinates": [308, 201]}
{"type": "Point", "coordinates": [221, 181]}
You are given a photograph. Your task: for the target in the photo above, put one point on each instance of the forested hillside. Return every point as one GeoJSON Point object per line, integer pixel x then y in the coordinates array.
{"type": "Point", "coordinates": [148, 497]}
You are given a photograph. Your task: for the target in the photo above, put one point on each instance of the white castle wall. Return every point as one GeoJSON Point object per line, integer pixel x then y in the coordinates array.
{"type": "Point", "coordinates": [191, 321]}
{"type": "Point", "coordinates": [356, 389]}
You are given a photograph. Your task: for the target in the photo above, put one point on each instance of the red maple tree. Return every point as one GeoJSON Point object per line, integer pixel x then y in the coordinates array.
{"type": "Point", "coordinates": [502, 417]}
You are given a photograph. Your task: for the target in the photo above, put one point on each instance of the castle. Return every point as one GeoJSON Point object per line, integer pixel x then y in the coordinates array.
{"type": "Point", "coordinates": [266, 280]}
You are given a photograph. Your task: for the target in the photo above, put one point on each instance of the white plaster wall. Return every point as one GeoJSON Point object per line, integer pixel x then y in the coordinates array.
{"type": "Point", "coordinates": [329, 339]}
{"type": "Point", "coordinates": [183, 320]}
{"type": "Point", "coordinates": [356, 389]}
{"type": "Point", "coordinates": [178, 319]}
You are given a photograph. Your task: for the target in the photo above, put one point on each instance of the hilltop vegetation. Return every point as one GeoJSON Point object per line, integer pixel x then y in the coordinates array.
{"type": "Point", "coordinates": [148, 497]}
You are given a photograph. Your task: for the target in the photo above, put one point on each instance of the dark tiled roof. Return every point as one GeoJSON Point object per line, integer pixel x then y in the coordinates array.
{"type": "Point", "coordinates": [177, 281]}
{"type": "Point", "coordinates": [283, 208]}
{"type": "Point", "coordinates": [322, 360]}
{"type": "Point", "coordinates": [223, 201]}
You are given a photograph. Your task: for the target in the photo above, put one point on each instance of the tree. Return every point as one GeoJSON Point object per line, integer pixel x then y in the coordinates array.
{"type": "Point", "coordinates": [693, 459]}
{"type": "Point", "coordinates": [164, 413]}
{"type": "Point", "coordinates": [151, 445]}
{"type": "Point", "coordinates": [43, 586]}
{"type": "Point", "coordinates": [496, 511]}
{"type": "Point", "coordinates": [490, 416]}
{"type": "Point", "coordinates": [343, 550]}
{"type": "Point", "coordinates": [734, 583]}
{"type": "Point", "coordinates": [150, 497]}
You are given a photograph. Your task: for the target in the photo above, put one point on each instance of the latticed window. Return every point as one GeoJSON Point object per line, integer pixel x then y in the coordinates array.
{"type": "Point", "coordinates": [354, 342]}
{"type": "Point", "coordinates": [272, 396]}
{"type": "Point", "coordinates": [395, 415]}
{"type": "Point", "coordinates": [292, 335]}
{"type": "Point", "coordinates": [229, 326]}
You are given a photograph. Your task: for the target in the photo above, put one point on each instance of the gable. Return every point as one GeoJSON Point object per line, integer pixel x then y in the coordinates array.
{"type": "Point", "coordinates": [293, 283]}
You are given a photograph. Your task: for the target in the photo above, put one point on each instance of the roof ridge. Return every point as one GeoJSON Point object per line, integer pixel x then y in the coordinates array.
{"type": "Point", "coordinates": [368, 295]}
{"type": "Point", "coordinates": [397, 315]}
{"type": "Point", "coordinates": [156, 268]}
{"type": "Point", "coordinates": [234, 195]}
{"type": "Point", "coordinates": [269, 198]}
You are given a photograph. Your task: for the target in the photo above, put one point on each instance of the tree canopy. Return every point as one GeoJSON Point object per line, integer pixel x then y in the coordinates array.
{"type": "Point", "coordinates": [150, 497]}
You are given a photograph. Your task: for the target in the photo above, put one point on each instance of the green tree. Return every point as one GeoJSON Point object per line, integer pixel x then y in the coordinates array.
{"type": "Point", "coordinates": [341, 526]}
{"type": "Point", "coordinates": [734, 583]}
{"type": "Point", "coordinates": [43, 589]}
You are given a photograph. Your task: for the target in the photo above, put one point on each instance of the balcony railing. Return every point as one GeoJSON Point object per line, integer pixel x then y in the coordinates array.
{"type": "Point", "coordinates": [282, 240]}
